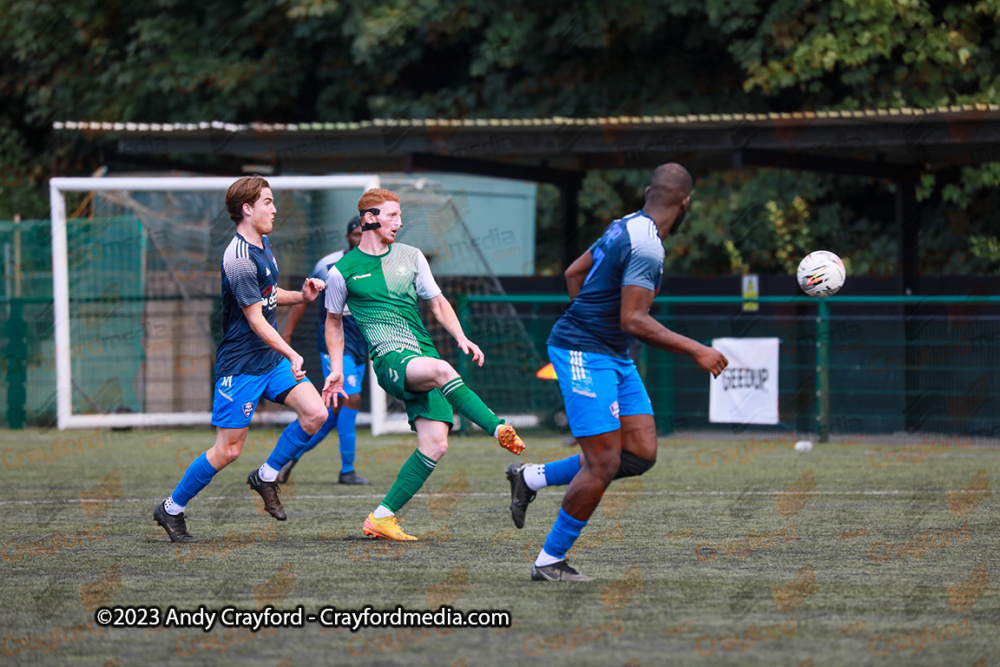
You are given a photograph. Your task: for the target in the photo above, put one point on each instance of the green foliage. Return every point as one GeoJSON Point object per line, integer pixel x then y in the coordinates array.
{"type": "Point", "coordinates": [986, 248]}
{"type": "Point", "coordinates": [791, 229]}
{"type": "Point", "coordinates": [736, 263]}
{"type": "Point", "coordinates": [329, 60]}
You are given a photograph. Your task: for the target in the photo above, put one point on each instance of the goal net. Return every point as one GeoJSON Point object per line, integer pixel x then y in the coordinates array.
{"type": "Point", "coordinates": [136, 291]}
{"type": "Point", "coordinates": [137, 310]}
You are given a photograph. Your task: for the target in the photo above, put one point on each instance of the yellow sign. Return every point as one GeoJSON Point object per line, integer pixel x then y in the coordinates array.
{"type": "Point", "coordinates": [751, 291]}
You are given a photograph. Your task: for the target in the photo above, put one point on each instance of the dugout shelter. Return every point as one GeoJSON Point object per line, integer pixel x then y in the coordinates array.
{"type": "Point", "coordinates": [892, 144]}
{"type": "Point", "coordinates": [923, 377]}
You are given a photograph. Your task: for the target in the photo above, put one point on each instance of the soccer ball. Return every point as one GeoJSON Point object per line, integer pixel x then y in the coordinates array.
{"type": "Point", "coordinates": [821, 273]}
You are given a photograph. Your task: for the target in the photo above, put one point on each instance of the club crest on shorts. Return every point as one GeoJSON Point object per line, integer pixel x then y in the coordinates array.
{"type": "Point", "coordinates": [248, 408]}
{"type": "Point", "coordinates": [352, 380]}
{"type": "Point", "coordinates": [614, 409]}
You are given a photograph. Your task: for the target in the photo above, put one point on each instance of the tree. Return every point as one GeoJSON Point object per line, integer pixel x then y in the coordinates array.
{"type": "Point", "coordinates": [326, 60]}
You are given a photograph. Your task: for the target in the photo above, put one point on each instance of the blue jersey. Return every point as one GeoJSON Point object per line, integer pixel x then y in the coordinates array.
{"type": "Point", "coordinates": [249, 275]}
{"type": "Point", "coordinates": [629, 252]}
{"type": "Point", "coordinates": [354, 343]}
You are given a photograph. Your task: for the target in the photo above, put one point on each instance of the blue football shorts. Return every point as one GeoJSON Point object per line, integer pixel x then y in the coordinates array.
{"type": "Point", "coordinates": [236, 396]}
{"type": "Point", "coordinates": [354, 372]}
{"type": "Point", "coordinates": [597, 389]}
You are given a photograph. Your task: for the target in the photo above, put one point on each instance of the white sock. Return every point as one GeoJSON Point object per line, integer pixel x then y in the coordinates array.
{"type": "Point", "coordinates": [382, 512]}
{"type": "Point", "coordinates": [172, 508]}
{"type": "Point", "coordinates": [545, 559]}
{"type": "Point", "coordinates": [534, 476]}
{"type": "Point", "coordinates": [496, 432]}
{"type": "Point", "coordinates": [267, 473]}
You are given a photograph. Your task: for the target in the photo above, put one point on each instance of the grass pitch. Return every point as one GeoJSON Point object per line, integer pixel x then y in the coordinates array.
{"type": "Point", "coordinates": [724, 553]}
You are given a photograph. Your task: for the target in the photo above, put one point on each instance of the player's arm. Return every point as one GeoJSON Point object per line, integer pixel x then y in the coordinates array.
{"type": "Point", "coordinates": [636, 320]}
{"type": "Point", "coordinates": [310, 290]}
{"type": "Point", "coordinates": [445, 315]}
{"type": "Point", "coordinates": [268, 334]}
{"type": "Point", "coordinates": [333, 331]}
{"type": "Point", "coordinates": [333, 386]}
{"type": "Point", "coordinates": [427, 289]}
{"type": "Point", "coordinates": [577, 273]}
{"type": "Point", "coordinates": [298, 310]}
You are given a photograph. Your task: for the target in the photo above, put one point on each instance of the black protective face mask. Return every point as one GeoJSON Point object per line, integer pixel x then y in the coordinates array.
{"type": "Point", "coordinates": [366, 226]}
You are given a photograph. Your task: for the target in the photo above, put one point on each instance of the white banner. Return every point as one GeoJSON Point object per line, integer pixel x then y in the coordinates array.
{"type": "Point", "coordinates": [747, 391]}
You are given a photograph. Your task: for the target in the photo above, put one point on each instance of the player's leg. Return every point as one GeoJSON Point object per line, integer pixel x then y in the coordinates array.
{"type": "Point", "coordinates": [638, 445]}
{"type": "Point", "coordinates": [431, 417]}
{"type": "Point", "coordinates": [422, 410]}
{"type": "Point", "coordinates": [233, 405]}
{"type": "Point", "coordinates": [308, 406]}
{"type": "Point", "coordinates": [638, 426]}
{"type": "Point", "coordinates": [638, 456]}
{"type": "Point", "coordinates": [604, 460]}
{"type": "Point", "coordinates": [302, 397]}
{"type": "Point", "coordinates": [427, 373]}
{"type": "Point", "coordinates": [170, 513]}
{"type": "Point", "coordinates": [601, 458]}
{"type": "Point", "coordinates": [354, 375]}
{"type": "Point", "coordinates": [227, 448]}
{"type": "Point", "coordinates": [347, 435]}
{"type": "Point", "coordinates": [589, 385]}
{"type": "Point", "coordinates": [526, 479]}
{"type": "Point", "coordinates": [638, 442]}
{"type": "Point", "coordinates": [332, 415]}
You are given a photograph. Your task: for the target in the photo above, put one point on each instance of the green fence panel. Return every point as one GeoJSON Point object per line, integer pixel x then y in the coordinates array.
{"type": "Point", "coordinates": [106, 268]}
{"type": "Point", "coordinates": [916, 366]}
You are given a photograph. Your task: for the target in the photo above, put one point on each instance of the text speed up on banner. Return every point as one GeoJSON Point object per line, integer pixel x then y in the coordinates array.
{"type": "Point", "coordinates": [747, 391]}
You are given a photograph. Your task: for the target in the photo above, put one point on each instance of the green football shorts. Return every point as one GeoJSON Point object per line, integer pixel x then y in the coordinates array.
{"type": "Point", "coordinates": [390, 370]}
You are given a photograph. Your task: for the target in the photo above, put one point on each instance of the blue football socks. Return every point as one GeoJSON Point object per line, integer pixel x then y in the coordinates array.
{"type": "Point", "coordinates": [196, 478]}
{"type": "Point", "coordinates": [348, 438]}
{"type": "Point", "coordinates": [293, 439]}
{"type": "Point", "coordinates": [324, 430]}
{"type": "Point", "coordinates": [558, 473]}
{"type": "Point", "coordinates": [563, 535]}
{"type": "Point", "coordinates": [561, 473]}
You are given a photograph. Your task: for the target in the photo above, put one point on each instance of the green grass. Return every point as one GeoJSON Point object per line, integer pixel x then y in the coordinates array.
{"type": "Point", "coordinates": [641, 543]}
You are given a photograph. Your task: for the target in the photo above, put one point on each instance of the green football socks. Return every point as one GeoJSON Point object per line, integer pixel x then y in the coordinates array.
{"type": "Point", "coordinates": [466, 403]}
{"type": "Point", "coordinates": [411, 477]}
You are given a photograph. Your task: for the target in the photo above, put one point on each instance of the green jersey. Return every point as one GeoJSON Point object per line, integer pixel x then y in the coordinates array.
{"type": "Point", "coordinates": [382, 291]}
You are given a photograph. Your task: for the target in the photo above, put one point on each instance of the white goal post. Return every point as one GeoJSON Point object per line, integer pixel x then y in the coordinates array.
{"type": "Point", "coordinates": [378, 418]}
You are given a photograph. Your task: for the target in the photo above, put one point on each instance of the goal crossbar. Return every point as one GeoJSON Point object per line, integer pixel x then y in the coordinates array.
{"type": "Point", "coordinates": [61, 301]}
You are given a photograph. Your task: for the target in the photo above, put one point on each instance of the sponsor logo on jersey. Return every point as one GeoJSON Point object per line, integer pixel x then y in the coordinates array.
{"type": "Point", "coordinates": [363, 275]}
{"type": "Point", "coordinates": [269, 302]}
{"type": "Point", "coordinates": [267, 290]}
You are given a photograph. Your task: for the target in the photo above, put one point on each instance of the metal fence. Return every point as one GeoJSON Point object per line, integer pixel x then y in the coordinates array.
{"type": "Point", "coordinates": [847, 365]}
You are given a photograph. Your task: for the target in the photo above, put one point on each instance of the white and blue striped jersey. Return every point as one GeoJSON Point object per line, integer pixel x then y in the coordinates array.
{"type": "Point", "coordinates": [630, 252]}
{"type": "Point", "coordinates": [249, 275]}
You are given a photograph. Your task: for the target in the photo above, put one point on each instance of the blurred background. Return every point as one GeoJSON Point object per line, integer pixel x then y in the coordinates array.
{"type": "Point", "coordinates": [867, 129]}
